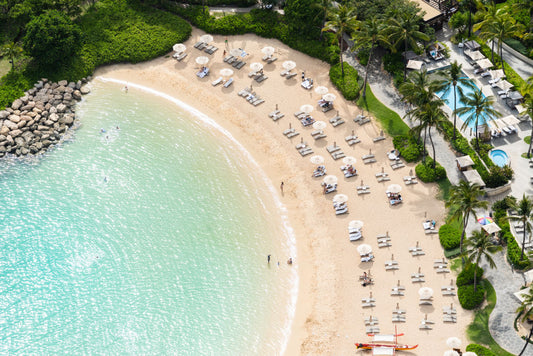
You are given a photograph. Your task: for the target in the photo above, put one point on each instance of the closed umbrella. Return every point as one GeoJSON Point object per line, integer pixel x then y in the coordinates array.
{"type": "Point", "coordinates": [319, 125]}
{"type": "Point", "coordinates": [268, 50]}
{"type": "Point", "coordinates": [394, 188]}
{"type": "Point", "coordinates": [321, 90]}
{"type": "Point", "coordinates": [202, 60]}
{"type": "Point", "coordinates": [330, 179]}
{"type": "Point", "coordinates": [329, 97]}
{"type": "Point", "coordinates": [289, 65]}
{"type": "Point", "coordinates": [453, 342]}
{"type": "Point", "coordinates": [349, 160]}
{"type": "Point", "coordinates": [317, 159]}
{"type": "Point", "coordinates": [355, 224]}
{"type": "Point", "coordinates": [340, 198]}
{"type": "Point", "coordinates": [179, 48]}
{"type": "Point", "coordinates": [226, 72]}
{"type": "Point", "coordinates": [256, 66]}
{"type": "Point", "coordinates": [206, 38]}
{"type": "Point", "coordinates": [364, 249]}
{"type": "Point", "coordinates": [307, 108]}
{"type": "Point", "coordinates": [425, 292]}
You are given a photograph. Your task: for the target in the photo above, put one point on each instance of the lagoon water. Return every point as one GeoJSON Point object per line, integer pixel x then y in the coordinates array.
{"type": "Point", "coordinates": [149, 238]}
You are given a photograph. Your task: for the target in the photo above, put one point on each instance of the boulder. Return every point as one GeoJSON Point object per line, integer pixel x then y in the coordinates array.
{"type": "Point", "coordinates": [61, 107]}
{"type": "Point", "coordinates": [85, 90]}
{"type": "Point", "coordinates": [10, 125]}
{"type": "Point", "coordinates": [19, 141]}
{"type": "Point", "coordinates": [2, 138]}
{"type": "Point", "coordinates": [27, 136]}
{"type": "Point", "coordinates": [67, 120]}
{"type": "Point", "coordinates": [4, 130]}
{"type": "Point", "coordinates": [46, 143]}
{"type": "Point", "coordinates": [21, 124]}
{"type": "Point", "coordinates": [25, 99]}
{"type": "Point", "coordinates": [42, 128]}
{"type": "Point", "coordinates": [61, 89]}
{"type": "Point", "coordinates": [62, 83]}
{"type": "Point", "coordinates": [15, 133]}
{"type": "Point", "coordinates": [39, 145]}
{"type": "Point", "coordinates": [53, 117]}
{"type": "Point", "coordinates": [30, 105]}
{"type": "Point", "coordinates": [24, 151]}
{"type": "Point", "coordinates": [33, 149]}
{"type": "Point", "coordinates": [69, 89]}
{"type": "Point", "coordinates": [49, 123]}
{"type": "Point", "coordinates": [78, 84]}
{"type": "Point", "coordinates": [10, 141]}
{"type": "Point", "coordinates": [4, 114]}
{"type": "Point", "coordinates": [76, 94]}
{"type": "Point", "coordinates": [14, 118]}
{"type": "Point", "coordinates": [16, 104]}
{"type": "Point", "coordinates": [67, 97]}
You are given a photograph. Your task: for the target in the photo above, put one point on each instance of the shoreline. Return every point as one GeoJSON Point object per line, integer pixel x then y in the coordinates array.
{"type": "Point", "coordinates": [328, 317]}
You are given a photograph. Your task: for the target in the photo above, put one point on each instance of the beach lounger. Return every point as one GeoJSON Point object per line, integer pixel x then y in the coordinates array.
{"type": "Point", "coordinates": [288, 131]}
{"type": "Point", "coordinates": [397, 165]}
{"type": "Point", "coordinates": [298, 113]}
{"type": "Point", "coordinates": [291, 75]}
{"type": "Point", "coordinates": [398, 319]}
{"type": "Point", "coordinates": [342, 211]}
{"type": "Point", "coordinates": [333, 148]}
{"type": "Point", "coordinates": [359, 118]}
{"type": "Point", "coordinates": [379, 138]}
{"type": "Point", "coordinates": [306, 151]}
{"type": "Point", "coordinates": [317, 132]}
{"type": "Point", "coordinates": [217, 81]}
{"type": "Point", "coordinates": [485, 74]}
{"type": "Point", "coordinates": [272, 60]}
{"type": "Point", "coordinates": [373, 330]}
{"type": "Point", "coordinates": [244, 92]}
{"type": "Point", "coordinates": [261, 78]}
{"type": "Point", "coordinates": [228, 58]}
{"type": "Point", "coordinates": [368, 156]}
{"type": "Point", "coordinates": [235, 63]}
{"type": "Point", "coordinates": [368, 305]}
{"type": "Point", "coordinates": [338, 122]}
{"type": "Point", "coordinates": [425, 327]}
{"type": "Point", "coordinates": [179, 57]}
{"type": "Point", "coordinates": [449, 319]}
{"type": "Point", "coordinates": [327, 108]}
{"type": "Point", "coordinates": [338, 155]}
{"type": "Point", "coordinates": [364, 121]}
{"type": "Point", "coordinates": [371, 322]}
{"type": "Point", "coordinates": [369, 161]}
{"type": "Point", "coordinates": [273, 113]}
{"type": "Point", "coordinates": [212, 50]}
{"type": "Point", "coordinates": [418, 253]}
{"type": "Point", "coordinates": [366, 187]}
{"type": "Point", "coordinates": [252, 74]}
{"type": "Point", "coordinates": [258, 101]}
{"type": "Point", "coordinates": [202, 46]}
{"type": "Point", "coordinates": [278, 116]}
{"type": "Point", "coordinates": [396, 293]}
{"type": "Point", "coordinates": [240, 65]}
{"type": "Point", "coordinates": [283, 73]}
{"type": "Point", "coordinates": [208, 48]}
{"type": "Point", "coordinates": [353, 142]}
{"type": "Point", "coordinates": [197, 44]}
{"type": "Point", "coordinates": [320, 136]}
{"type": "Point", "coordinates": [228, 83]}
{"type": "Point", "coordinates": [334, 119]}
{"type": "Point", "coordinates": [266, 57]}
{"type": "Point", "coordinates": [383, 179]}
{"type": "Point", "coordinates": [448, 293]}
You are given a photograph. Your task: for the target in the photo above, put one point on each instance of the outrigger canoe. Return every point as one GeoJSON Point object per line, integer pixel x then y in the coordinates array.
{"type": "Point", "coordinates": [370, 346]}
{"type": "Point", "coordinates": [384, 345]}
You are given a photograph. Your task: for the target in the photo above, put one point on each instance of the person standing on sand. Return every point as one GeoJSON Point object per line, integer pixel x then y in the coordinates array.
{"type": "Point", "coordinates": [303, 76]}
{"type": "Point", "coordinates": [268, 259]}
{"type": "Point", "coordinates": [281, 187]}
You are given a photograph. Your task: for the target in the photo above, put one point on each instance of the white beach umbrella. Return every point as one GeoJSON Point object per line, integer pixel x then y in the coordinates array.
{"type": "Point", "coordinates": [317, 159]}
{"type": "Point", "coordinates": [485, 63]}
{"type": "Point", "coordinates": [394, 188]}
{"type": "Point", "coordinates": [289, 65]}
{"type": "Point", "coordinates": [179, 48]}
{"type": "Point", "coordinates": [349, 160]}
{"type": "Point", "coordinates": [256, 66]}
{"type": "Point", "coordinates": [364, 249]}
{"type": "Point", "coordinates": [469, 353]}
{"type": "Point", "coordinates": [355, 224]}
{"type": "Point", "coordinates": [453, 342]}
{"type": "Point", "coordinates": [331, 179]}
{"type": "Point", "coordinates": [496, 73]}
{"type": "Point", "coordinates": [306, 108]}
{"type": "Point", "coordinates": [268, 50]}
{"type": "Point", "coordinates": [206, 38]}
{"type": "Point", "coordinates": [321, 90]}
{"type": "Point", "coordinates": [510, 120]}
{"type": "Point", "coordinates": [319, 125]}
{"type": "Point", "coordinates": [340, 198]}
{"type": "Point", "coordinates": [329, 97]}
{"type": "Point", "coordinates": [226, 72]}
{"type": "Point", "coordinates": [235, 52]}
{"type": "Point", "coordinates": [202, 60]}
{"type": "Point", "coordinates": [504, 85]}
{"type": "Point", "coordinates": [450, 353]}
{"type": "Point", "coordinates": [425, 292]}
{"type": "Point", "coordinates": [474, 55]}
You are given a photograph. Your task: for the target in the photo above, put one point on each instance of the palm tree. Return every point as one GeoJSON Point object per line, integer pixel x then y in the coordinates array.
{"type": "Point", "coordinates": [477, 106]}
{"type": "Point", "coordinates": [464, 198]}
{"type": "Point", "coordinates": [452, 76]}
{"type": "Point", "coordinates": [505, 27]}
{"type": "Point", "coordinates": [12, 51]}
{"type": "Point", "coordinates": [369, 32]}
{"type": "Point", "coordinates": [525, 312]}
{"type": "Point", "coordinates": [487, 29]}
{"type": "Point", "coordinates": [324, 6]}
{"type": "Point", "coordinates": [524, 210]}
{"type": "Point", "coordinates": [479, 245]}
{"type": "Point", "coordinates": [419, 88]}
{"type": "Point", "coordinates": [404, 29]}
{"type": "Point", "coordinates": [341, 20]}
{"type": "Point", "coordinates": [527, 90]}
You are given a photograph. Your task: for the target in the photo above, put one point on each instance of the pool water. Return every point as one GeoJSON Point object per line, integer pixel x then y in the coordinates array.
{"type": "Point", "coordinates": [499, 157]}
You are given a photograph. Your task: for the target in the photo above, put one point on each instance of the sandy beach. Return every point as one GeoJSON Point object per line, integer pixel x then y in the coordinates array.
{"type": "Point", "coordinates": [329, 316]}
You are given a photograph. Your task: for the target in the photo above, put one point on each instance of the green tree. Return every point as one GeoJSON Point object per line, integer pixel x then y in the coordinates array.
{"type": "Point", "coordinates": [464, 201]}
{"type": "Point", "coordinates": [477, 106]}
{"type": "Point", "coordinates": [341, 21]}
{"type": "Point", "coordinates": [479, 245]}
{"type": "Point", "coordinates": [11, 50]}
{"type": "Point", "coordinates": [459, 24]}
{"type": "Point", "coordinates": [506, 27]}
{"type": "Point", "coordinates": [369, 34]}
{"type": "Point", "coordinates": [525, 312]}
{"type": "Point", "coordinates": [404, 29]}
{"type": "Point", "coordinates": [302, 18]}
{"type": "Point", "coordinates": [524, 210]}
{"type": "Point", "coordinates": [52, 37]}
{"type": "Point", "coordinates": [487, 29]}
{"type": "Point", "coordinates": [452, 76]}
{"type": "Point", "coordinates": [324, 7]}
{"type": "Point", "coordinates": [519, 5]}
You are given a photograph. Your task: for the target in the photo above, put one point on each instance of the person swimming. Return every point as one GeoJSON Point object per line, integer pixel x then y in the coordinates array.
{"type": "Point", "coordinates": [102, 130]}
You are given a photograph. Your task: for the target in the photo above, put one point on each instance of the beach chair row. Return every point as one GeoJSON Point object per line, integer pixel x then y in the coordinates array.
{"type": "Point", "coordinates": [361, 119]}
{"type": "Point", "coordinates": [220, 80]}
{"type": "Point", "coordinates": [269, 59]}
{"type": "Point", "coordinates": [179, 56]}
{"type": "Point", "coordinates": [251, 97]}
{"type": "Point", "coordinates": [235, 62]}
{"type": "Point", "coordinates": [202, 46]}
{"type": "Point", "coordinates": [276, 115]}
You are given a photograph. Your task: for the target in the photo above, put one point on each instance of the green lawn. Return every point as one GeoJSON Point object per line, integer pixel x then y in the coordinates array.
{"type": "Point", "coordinates": [5, 66]}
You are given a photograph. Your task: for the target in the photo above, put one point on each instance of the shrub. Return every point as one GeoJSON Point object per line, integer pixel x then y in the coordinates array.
{"type": "Point", "coordinates": [12, 86]}
{"type": "Point", "coordinates": [498, 176]}
{"type": "Point", "coordinates": [480, 350]}
{"type": "Point", "coordinates": [466, 276]}
{"type": "Point", "coordinates": [347, 85]}
{"type": "Point", "coordinates": [427, 173]}
{"type": "Point", "coordinates": [408, 147]}
{"type": "Point", "coordinates": [450, 236]}
{"type": "Point", "coordinates": [468, 299]}
{"type": "Point", "coordinates": [393, 63]}
{"type": "Point", "coordinates": [504, 204]}
{"type": "Point", "coordinates": [513, 254]}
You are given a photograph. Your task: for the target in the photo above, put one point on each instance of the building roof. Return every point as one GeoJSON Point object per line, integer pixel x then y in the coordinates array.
{"type": "Point", "coordinates": [472, 176]}
{"type": "Point", "coordinates": [464, 161]}
{"type": "Point", "coordinates": [491, 228]}
{"type": "Point", "coordinates": [430, 11]}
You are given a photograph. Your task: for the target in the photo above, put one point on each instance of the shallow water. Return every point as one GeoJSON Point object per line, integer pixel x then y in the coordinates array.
{"type": "Point", "coordinates": [148, 238]}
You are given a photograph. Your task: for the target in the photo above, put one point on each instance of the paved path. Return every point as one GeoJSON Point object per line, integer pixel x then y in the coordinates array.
{"type": "Point", "coordinates": [522, 68]}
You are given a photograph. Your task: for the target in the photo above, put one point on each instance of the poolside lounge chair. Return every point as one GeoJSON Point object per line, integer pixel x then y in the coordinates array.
{"type": "Point", "coordinates": [291, 75]}
{"type": "Point", "coordinates": [228, 83]}
{"type": "Point", "coordinates": [217, 81]}
{"type": "Point", "coordinates": [485, 74]}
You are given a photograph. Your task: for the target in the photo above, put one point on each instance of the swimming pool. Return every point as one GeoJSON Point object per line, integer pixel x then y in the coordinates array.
{"type": "Point", "coordinates": [499, 157]}
{"type": "Point", "coordinates": [448, 99]}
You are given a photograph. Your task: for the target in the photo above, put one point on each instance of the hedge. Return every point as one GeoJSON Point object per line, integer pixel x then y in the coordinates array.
{"type": "Point", "coordinates": [468, 299]}
{"type": "Point", "coordinates": [513, 254]}
{"type": "Point", "coordinates": [408, 147]}
{"type": "Point", "coordinates": [480, 350]}
{"type": "Point", "coordinates": [427, 173]}
{"type": "Point", "coordinates": [450, 236]}
{"type": "Point", "coordinates": [466, 276]}
{"type": "Point", "coordinates": [347, 85]}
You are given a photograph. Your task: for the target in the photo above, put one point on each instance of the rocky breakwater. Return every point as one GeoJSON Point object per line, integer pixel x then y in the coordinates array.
{"type": "Point", "coordinates": [40, 119]}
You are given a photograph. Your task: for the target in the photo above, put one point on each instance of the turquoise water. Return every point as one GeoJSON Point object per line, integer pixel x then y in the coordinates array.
{"type": "Point", "coordinates": [499, 157]}
{"type": "Point", "coordinates": [150, 238]}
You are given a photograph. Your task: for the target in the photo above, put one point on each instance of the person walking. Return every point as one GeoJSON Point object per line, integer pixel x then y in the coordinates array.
{"type": "Point", "coordinates": [268, 259]}
{"type": "Point", "coordinates": [281, 187]}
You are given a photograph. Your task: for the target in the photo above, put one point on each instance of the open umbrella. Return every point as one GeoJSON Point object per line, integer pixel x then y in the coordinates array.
{"type": "Point", "coordinates": [496, 73]}
{"type": "Point", "coordinates": [206, 38]}
{"type": "Point", "coordinates": [485, 63]}
{"type": "Point", "coordinates": [504, 85]}
{"type": "Point", "coordinates": [451, 353]}
{"type": "Point", "coordinates": [256, 66]}
{"type": "Point", "coordinates": [329, 97]}
{"type": "Point", "coordinates": [485, 220]}
{"type": "Point", "coordinates": [331, 179]}
{"type": "Point", "coordinates": [474, 55]}
{"type": "Point", "coordinates": [179, 48]}
{"type": "Point", "coordinates": [306, 108]}
{"type": "Point", "coordinates": [355, 224]}
{"type": "Point", "coordinates": [394, 188]}
{"type": "Point", "coordinates": [453, 342]}
{"type": "Point", "coordinates": [425, 292]}
{"type": "Point", "coordinates": [510, 120]}
{"type": "Point", "coordinates": [349, 160]}
{"type": "Point", "coordinates": [289, 65]}
{"type": "Point", "coordinates": [226, 72]}
{"type": "Point", "coordinates": [340, 198]}
{"type": "Point", "coordinates": [202, 60]}
{"type": "Point", "coordinates": [317, 159]}
{"type": "Point", "coordinates": [364, 249]}
{"type": "Point", "coordinates": [268, 50]}
{"type": "Point", "coordinates": [321, 90]}
{"type": "Point", "coordinates": [319, 125]}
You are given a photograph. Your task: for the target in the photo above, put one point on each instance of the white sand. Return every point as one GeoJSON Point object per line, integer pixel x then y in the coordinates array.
{"type": "Point", "coordinates": [329, 316]}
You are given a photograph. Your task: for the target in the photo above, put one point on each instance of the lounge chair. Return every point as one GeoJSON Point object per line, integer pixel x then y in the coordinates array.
{"type": "Point", "coordinates": [494, 81]}
{"type": "Point", "coordinates": [235, 63]}
{"type": "Point", "coordinates": [217, 81]}
{"type": "Point", "coordinates": [290, 75]}
{"type": "Point", "coordinates": [272, 60]}
{"type": "Point", "coordinates": [332, 148]}
{"type": "Point", "coordinates": [359, 118]}
{"type": "Point", "coordinates": [338, 155]}
{"type": "Point", "coordinates": [353, 142]}
{"type": "Point", "coordinates": [240, 65]}
{"type": "Point", "coordinates": [485, 74]}
{"type": "Point", "coordinates": [338, 122]}
{"type": "Point", "coordinates": [212, 50]}
{"type": "Point", "coordinates": [318, 137]}
{"type": "Point", "coordinates": [293, 134]}
{"type": "Point", "coordinates": [307, 121]}
{"type": "Point", "coordinates": [369, 161]}
{"type": "Point", "coordinates": [198, 44]}
{"type": "Point", "coordinates": [258, 102]}
{"type": "Point", "coordinates": [232, 60]}
{"type": "Point", "coordinates": [278, 116]}
{"type": "Point", "coordinates": [379, 138]}
{"type": "Point", "coordinates": [228, 58]}
{"type": "Point", "coordinates": [298, 113]}
{"type": "Point", "coordinates": [261, 78]}
{"type": "Point", "coordinates": [284, 73]}
{"type": "Point", "coordinates": [334, 119]}
{"type": "Point", "coordinates": [208, 48]}
{"type": "Point", "coordinates": [228, 83]}
{"type": "Point", "coordinates": [202, 46]}
{"type": "Point", "coordinates": [306, 151]}
{"type": "Point", "coordinates": [273, 113]}
{"type": "Point", "coordinates": [368, 156]}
